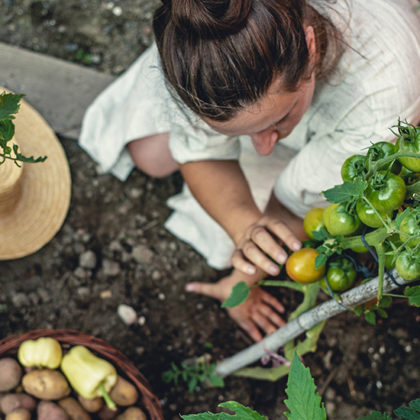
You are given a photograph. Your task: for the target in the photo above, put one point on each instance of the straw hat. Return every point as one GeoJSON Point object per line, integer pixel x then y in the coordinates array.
{"type": "Point", "coordinates": [35, 198]}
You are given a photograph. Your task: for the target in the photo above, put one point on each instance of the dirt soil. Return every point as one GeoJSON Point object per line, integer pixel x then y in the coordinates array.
{"type": "Point", "coordinates": [113, 249]}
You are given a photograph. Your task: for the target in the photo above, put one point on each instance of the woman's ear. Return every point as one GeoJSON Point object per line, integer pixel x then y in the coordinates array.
{"type": "Point", "coordinates": [310, 43]}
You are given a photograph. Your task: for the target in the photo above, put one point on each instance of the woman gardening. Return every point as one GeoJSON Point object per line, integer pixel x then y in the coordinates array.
{"type": "Point", "coordinates": [257, 103]}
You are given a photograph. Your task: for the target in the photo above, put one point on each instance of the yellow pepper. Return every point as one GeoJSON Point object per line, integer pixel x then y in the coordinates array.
{"type": "Point", "coordinates": [44, 352]}
{"type": "Point", "coordinates": [89, 375]}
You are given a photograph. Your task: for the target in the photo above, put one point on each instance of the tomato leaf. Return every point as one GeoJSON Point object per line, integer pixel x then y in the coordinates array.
{"type": "Point", "coordinates": [9, 105]}
{"type": "Point", "coordinates": [321, 234]}
{"type": "Point", "coordinates": [241, 413]}
{"type": "Point", "coordinates": [239, 294]}
{"type": "Point", "coordinates": [375, 415]}
{"type": "Point", "coordinates": [7, 130]}
{"type": "Point", "coordinates": [385, 302]}
{"type": "Point", "coordinates": [346, 191]}
{"type": "Point", "coordinates": [217, 381]}
{"type": "Point", "coordinates": [320, 260]}
{"type": "Point", "coordinates": [413, 294]}
{"type": "Point", "coordinates": [409, 413]}
{"type": "Point", "coordinates": [301, 388]}
{"type": "Point", "coordinates": [370, 317]}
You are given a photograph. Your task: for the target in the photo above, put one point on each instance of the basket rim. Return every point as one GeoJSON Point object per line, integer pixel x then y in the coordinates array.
{"type": "Point", "coordinates": [10, 344]}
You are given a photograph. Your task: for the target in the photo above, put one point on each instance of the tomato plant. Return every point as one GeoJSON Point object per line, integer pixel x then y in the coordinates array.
{"type": "Point", "coordinates": [339, 221]}
{"type": "Point", "coordinates": [409, 141]}
{"type": "Point", "coordinates": [370, 216]}
{"type": "Point", "coordinates": [381, 150]}
{"type": "Point", "coordinates": [300, 266]}
{"type": "Point", "coordinates": [410, 226]}
{"type": "Point", "coordinates": [353, 167]}
{"type": "Point", "coordinates": [313, 221]}
{"type": "Point", "coordinates": [340, 275]}
{"type": "Point", "coordinates": [408, 265]}
{"type": "Point", "coordinates": [386, 192]}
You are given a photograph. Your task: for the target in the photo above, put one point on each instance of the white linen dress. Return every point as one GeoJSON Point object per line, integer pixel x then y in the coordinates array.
{"type": "Point", "coordinates": [377, 82]}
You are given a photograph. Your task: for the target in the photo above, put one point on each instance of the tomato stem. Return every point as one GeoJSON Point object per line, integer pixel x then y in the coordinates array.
{"type": "Point", "coordinates": [381, 269]}
{"type": "Point", "coordinates": [382, 162]}
{"type": "Point", "coordinates": [373, 238]}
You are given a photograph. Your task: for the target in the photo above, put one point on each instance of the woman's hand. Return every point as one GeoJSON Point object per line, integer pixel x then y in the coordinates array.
{"type": "Point", "coordinates": [260, 242]}
{"type": "Point", "coordinates": [259, 314]}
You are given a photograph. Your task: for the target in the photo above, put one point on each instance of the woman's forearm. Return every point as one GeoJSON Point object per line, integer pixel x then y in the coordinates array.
{"type": "Point", "coordinates": [222, 190]}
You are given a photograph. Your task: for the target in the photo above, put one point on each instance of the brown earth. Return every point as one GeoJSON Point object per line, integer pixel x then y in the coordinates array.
{"type": "Point", "coordinates": [113, 249]}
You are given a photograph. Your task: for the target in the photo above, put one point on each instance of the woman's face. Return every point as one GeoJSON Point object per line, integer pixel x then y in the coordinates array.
{"type": "Point", "coordinates": [272, 118]}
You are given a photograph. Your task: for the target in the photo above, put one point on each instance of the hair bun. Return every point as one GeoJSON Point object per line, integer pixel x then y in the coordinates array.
{"type": "Point", "coordinates": [210, 18]}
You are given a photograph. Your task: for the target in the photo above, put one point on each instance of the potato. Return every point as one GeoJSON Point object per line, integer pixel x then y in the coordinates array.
{"type": "Point", "coordinates": [46, 384]}
{"type": "Point", "coordinates": [132, 413]}
{"type": "Point", "coordinates": [11, 402]}
{"type": "Point", "coordinates": [19, 414]}
{"type": "Point", "coordinates": [73, 409]}
{"type": "Point", "coordinates": [48, 410]}
{"type": "Point", "coordinates": [11, 374]}
{"type": "Point", "coordinates": [106, 414]}
{"type": "Point", "coordinates": [91, 405]}
{"type": "Point", "coordinates": [124, 393]}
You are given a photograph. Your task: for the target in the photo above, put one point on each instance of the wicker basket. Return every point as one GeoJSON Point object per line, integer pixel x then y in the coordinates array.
{"type": "Point", "coordinates": [10, 345]}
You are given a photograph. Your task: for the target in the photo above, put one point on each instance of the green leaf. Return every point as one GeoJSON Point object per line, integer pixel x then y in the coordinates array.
{"type": "Point", "coordinates": [9, 105]}
{"type": "Point", "coordinates": [370, 317]}
{"type": "Point", "coordinates": [321, 234]}
{"type": "Point", "coordinates": [385, 302]}
{"type": "Point", "coordinates": [217, 381]}
{"type": "Point", "coordinates": [168, 376]}
{"type": "Point", "coordinates": [192, 384]}
{"type": "Point", "coordinates": [303, 401]}
{"type": "Point", "coordinates": [320, 260]}
{"type": "Point", "coordinates": [375, 415]}
{"type": "Point", "coordinates": [415, 404]}
{"type": "Point", "coordinates": [346, 191]}
{"type": "Point", "coordinates": [382, 313]}
{"type": "Point", "coordinates": [408, 413]}
{"type": "Point", "coordinates": [413, 294]}
{"type": "Point", "coordinates": [239, 294]}
{"type": "Point", "coordinates": [241, 413]}
{"type": "Point", "coordinates": [7, 130]}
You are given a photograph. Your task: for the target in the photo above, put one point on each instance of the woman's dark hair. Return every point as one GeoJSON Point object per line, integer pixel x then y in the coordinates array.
{"type": "Point", "coordinates": [222, 55]}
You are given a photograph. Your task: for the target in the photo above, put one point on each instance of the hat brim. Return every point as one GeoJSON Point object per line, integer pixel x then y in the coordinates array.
{"type": "Point", "coordinates": [45, 188]}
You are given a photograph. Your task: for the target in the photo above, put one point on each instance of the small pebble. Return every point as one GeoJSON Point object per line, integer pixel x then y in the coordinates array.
{"type": "Point", "coordinates": [127, 314]}
{"type": "Point", "coordinates": [105, 294]}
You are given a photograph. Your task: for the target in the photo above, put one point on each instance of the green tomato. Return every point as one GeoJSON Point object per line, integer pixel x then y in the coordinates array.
{"type": "Point", "coordinates": [387, 192]}
{"type": "Point", "coordinates": [408, 265]}
{"type": "Point", "coordinates": [381, 150]}
{"type": "Point", "coordinates": [353, 167]}
{"type": "Point", "coordinates": [341, 275]}
{"type": "Point", "coordinates": [338, 221]}
{"type": "Point", "coordinates": [313, 221]}
{"type": "Point", "coordinates": [410, 226]}
{"type": "Point", "coordinates": [368, 215]}
{"type": "Point", "coordinates": [410, 143]}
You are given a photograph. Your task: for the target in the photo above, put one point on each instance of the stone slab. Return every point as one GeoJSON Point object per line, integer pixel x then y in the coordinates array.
{"type": "Point", "coordinates": [60, 91]}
